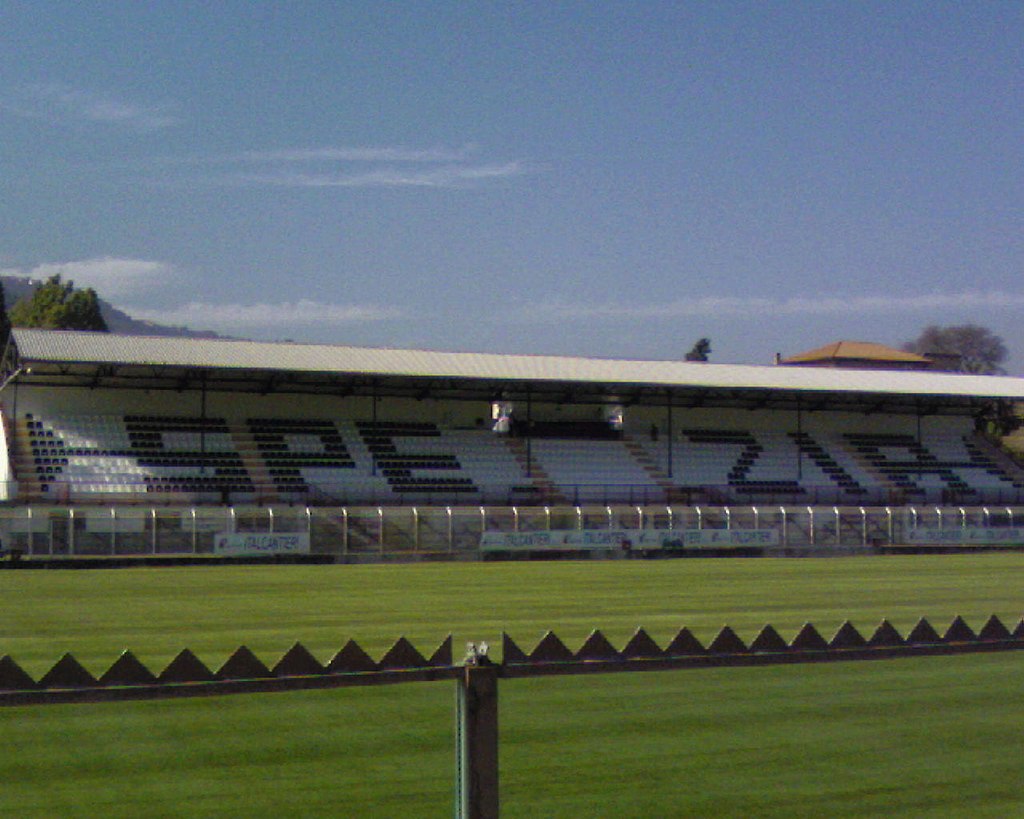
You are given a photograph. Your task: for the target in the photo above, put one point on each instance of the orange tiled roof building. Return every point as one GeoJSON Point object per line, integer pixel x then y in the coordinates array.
{"type": "Point", "coordinates": [859, 355]}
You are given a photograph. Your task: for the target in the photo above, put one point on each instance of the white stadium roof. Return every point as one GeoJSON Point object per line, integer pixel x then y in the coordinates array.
{"type": "Point", "coordinates": [111, 356]}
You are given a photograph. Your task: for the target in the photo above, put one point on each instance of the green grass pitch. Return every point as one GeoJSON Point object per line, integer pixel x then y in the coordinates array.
{"type": "Point", "coordinates": [913, 737]}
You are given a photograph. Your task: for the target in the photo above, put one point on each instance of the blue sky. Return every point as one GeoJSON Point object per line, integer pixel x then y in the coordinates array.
{"type": "Point", "coordinates": [604, 179]}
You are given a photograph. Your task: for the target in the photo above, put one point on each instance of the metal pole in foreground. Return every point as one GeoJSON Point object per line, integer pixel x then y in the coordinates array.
{"type": "Point", "coordinates": [476, 737]}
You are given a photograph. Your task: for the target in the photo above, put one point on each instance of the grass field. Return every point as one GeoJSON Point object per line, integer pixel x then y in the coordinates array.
{"type": "Point", "coordinates": [921, 737]}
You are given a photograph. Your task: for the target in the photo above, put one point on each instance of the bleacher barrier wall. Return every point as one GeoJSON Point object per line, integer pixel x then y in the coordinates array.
{"type": "Point", "coordinates": [455, 532]}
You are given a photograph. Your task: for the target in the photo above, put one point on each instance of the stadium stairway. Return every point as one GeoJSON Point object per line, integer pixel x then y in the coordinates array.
{"type": "Point", "coordinates": [533, 472]}
{"type": "Point", "coordinates": [248, 451]}
{"type": "Point", "coordinates": [29, 484]}
{"type": "Point", "coordinates": [646, 461]}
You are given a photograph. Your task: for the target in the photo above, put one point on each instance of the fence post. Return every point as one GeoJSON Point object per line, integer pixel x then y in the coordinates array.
{"type": "Point", "coordinates": [476, 738]}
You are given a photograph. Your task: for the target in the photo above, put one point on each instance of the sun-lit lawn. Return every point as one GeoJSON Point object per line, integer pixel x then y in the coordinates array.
{"type": "Point", "coordinates": [920, 737]}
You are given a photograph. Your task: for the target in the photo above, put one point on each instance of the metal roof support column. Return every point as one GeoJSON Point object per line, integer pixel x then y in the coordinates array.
{"type": "Point", "coordinates": [373, 417]}
{"type": "Point", "coordinates": [451, 530]}
{"type": "Point", "coordinates": [670, 434]}
{"type": "Point", "coordinates": [799, 440]}
{"type": "Point", "coordinates": [30, 516]}
{"type": "Point", "coordinates": [785, 527]}
{"type": "Point", "coordinates": [529, 433]}
{"type": "Point", "coordinates": [309, 527]}
{"type": "Point", "coordinates": [152, 520]}
{"type": "Point", "coordinates": [344, 530]}
{"type": "Point", "coordinates": [71, 532]}
{"type": "Point", "coordinates": [202, 423]}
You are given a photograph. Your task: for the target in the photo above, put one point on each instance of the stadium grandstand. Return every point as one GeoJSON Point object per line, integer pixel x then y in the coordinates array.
{"type": "Point", "coordinates": [132, 445]}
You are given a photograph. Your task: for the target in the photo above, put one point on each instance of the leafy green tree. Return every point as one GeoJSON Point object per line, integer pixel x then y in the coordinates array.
{"type": "Point", "coordinates": [701, 350]}
{"type": "Point", "coordinates": [5, 322]}
{"type": "Point", "coordinates": [57, 305]}
{"type": "Point", "coordinates": [965, 348]}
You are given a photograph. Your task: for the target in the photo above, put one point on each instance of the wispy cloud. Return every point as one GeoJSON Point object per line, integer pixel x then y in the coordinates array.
{"type": "Point", "coordinates": [302, 313]}
{"type": "Point", "coordinates": [351, 167]}
{"type": "Point", "coordinates": [767, 307]}
{"type": "Point", "coordinates": [64, 104]}
{"type": "Point", "coordinates": [113, 278]}
{"type": "Point", "coordinates": [446, 177]}
{"type": "Point", "coordinates": [359, 154]}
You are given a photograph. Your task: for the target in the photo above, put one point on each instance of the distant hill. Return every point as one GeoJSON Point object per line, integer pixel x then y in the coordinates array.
{"type": "Point", "coordinates": [118, 321]}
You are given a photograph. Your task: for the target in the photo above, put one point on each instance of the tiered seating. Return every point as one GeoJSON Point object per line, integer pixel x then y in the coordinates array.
{"type": "Point", "coordinates": [940, 464]}
{"type": "Point", "coordinates": [843, 478]}
{"type": "Point", "coordinates": [593, 469]}
{"type": "Point", "coordinates": [991, 472]}
{"type": "Point", "coordinates": [301, 452]}
{"type": "Point", "coordinates": [60, 457]}
{"type": "Point", "coordinates": [752, 472]}
{"type": "Point", "coordinates": [730, 464]}
{"type": "Point", "coordinates": [351, 461]}
{"type": "Point", "coordinates": [181, 454]}
{"type": "Point", "coordinates": [484, 457]}
{"type": "Point", "coordinates": [739, 462]}
{"type": "Point", "coordinates": [403, 451]}
{"type": "Point", "coordinates": [90, 455]}
{"type": "Point", "coordinates": [707, 460]}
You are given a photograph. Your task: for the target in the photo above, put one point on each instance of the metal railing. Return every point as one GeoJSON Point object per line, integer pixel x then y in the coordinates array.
{"type": "Point", "coordinates": [355, 533]}
{"type": "Point", "coordinates": [128, 491]}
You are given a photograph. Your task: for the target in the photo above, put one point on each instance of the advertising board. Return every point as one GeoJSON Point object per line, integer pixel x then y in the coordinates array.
{"type": "Point", "coordinates": [254, 543]}
{"type": "Point", "coordinates": [626, 539]}
{"type": "Point", "coordinates": [968, 535]}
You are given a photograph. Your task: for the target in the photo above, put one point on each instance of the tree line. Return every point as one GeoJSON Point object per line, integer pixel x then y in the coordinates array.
{"type": "Point", "coordinates": [965, 348]}
{"type": "Point", "coordinates": [54, 305]}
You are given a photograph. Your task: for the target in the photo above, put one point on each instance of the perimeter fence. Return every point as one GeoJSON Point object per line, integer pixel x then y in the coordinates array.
{"type": "Point", "coordinates": [477, 675]}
